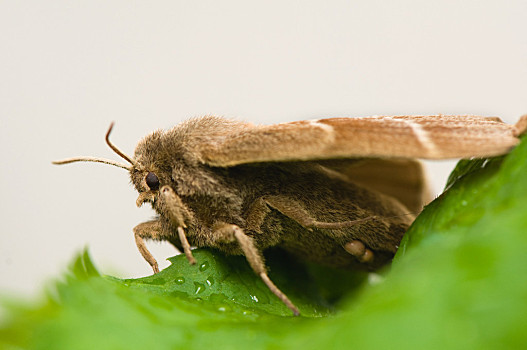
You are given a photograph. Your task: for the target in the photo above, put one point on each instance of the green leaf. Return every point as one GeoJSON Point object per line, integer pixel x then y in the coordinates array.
{"type": "Point", "coordinates": [217, 301]}
{"type": "Point", "coordinates": [457, 282]}
{"type": "Point", "coordinates": [458, 278]}
{"type": "Point", "coordinates": [228, 283]}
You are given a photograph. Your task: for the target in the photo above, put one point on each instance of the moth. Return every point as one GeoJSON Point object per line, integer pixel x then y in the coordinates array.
{"type": "Point", "coordinates": [339, 192]}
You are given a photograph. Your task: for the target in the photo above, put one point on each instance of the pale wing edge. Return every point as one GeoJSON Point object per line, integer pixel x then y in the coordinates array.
{"type": "Point", "coordinates": [426, 137]}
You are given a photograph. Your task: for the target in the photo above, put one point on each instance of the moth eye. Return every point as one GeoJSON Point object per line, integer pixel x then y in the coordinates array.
{"type": "Point", "coordinates": [152, 181]}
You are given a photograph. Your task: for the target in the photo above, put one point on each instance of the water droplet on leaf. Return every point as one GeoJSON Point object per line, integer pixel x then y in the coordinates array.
{"type": "Point", "coordinates": [204, 266]}
{"type": "Point", "coordinates": [200, 287]}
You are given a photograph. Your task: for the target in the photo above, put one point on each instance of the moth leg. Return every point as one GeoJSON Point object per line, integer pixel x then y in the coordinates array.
{"type": "Point", "coordinates": [295, 211]}
{"type": "Point", "coordinates": [149, 230]}
{"type": "Point", "coordinates": [256, 214]}
{"type": "Point", "coordinates": [170, 203]}
{"type": "Point", "coordinates": [186, 246]}
{"type": "Point", "coordinates": [230, 233]}
{"type": "Point", "coordinates": [174, 209]}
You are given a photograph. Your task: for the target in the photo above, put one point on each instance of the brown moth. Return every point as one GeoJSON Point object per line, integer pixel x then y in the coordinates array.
{"type": "Point", "coordinates": [334, 191]}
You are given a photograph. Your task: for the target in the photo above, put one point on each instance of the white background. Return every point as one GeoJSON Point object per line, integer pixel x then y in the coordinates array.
{"type": "Point", "coordinates": [69, 68]}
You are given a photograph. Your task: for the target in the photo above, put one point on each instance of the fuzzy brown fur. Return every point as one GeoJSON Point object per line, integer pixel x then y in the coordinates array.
{"type": "Point", "coordinates": [274, 203]}
{"type": "Point", "coordinates": [339, 192]}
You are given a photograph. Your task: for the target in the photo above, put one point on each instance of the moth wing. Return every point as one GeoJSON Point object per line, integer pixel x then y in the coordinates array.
{"type": "Point", "coordinates": [402, 179]}
{"type": "Point", "coordinates": [428, 137]}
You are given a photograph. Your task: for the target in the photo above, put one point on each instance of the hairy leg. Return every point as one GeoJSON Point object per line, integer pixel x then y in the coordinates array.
{"type": "Point", "coordinates": [148, 230]}
{"type": "Point", "coordinates": [228, 233]}
{"type": "Point", "coordinates": [295, 211]}
{"type": "Point", "coordinates": [154, 230]}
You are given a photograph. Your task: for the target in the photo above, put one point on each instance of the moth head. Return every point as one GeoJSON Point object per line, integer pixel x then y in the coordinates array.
{"type": "Point", "coordinates": [146, 179]}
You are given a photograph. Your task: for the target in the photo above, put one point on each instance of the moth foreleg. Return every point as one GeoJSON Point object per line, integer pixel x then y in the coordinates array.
{"type": "Point", "coordinates": [154, 230]}
{"type": "Point", "coordinates": [178, 214]}
{"type": "Point", "coordinates": [294, 210]}
{"type": "Point", "coordinates": [150, 230]}
{"type": "Point", "coordinates": [185, 245]}
{"type": "Point", "coordinates": [230, 233]}
{"type": "Point", "coordinates": [173, 207]}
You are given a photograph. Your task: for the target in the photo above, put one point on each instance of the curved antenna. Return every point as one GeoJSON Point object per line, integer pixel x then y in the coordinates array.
{"type": "Point", "coordinates": [102, 160]}
{"type": "Point", "coordinates": [92, 159]}
{"type": "Point", "coordinates": [115, 149]}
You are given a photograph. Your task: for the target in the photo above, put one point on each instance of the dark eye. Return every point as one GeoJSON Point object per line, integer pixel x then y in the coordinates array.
{"type": "Point", "coordinates": [152, 181]}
